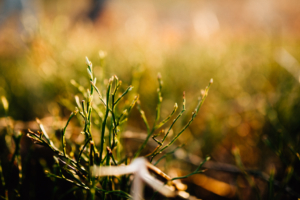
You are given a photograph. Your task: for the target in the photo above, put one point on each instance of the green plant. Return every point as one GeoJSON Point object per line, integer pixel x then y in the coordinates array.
{"type": "Point", "coordinates": [76, 165]}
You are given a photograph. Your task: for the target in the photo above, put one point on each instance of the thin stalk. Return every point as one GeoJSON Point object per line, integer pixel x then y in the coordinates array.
{"type": "Point", "coordinates": [88, 114]}
{"type": "Point", "coordinates": [194, 114]}
{"type": "Point", "coordinates": [124, 115]}
{"type": "Point", "coordinates": [114, 123]}
{"type": "Point", "coordinates": [44, 132]}
{"type": "Point", "coordinates": [82, 149]}
{"type": "Point", "coordinates": [91, 176]}
{"type": "Point", "coordinates": [104, 120]}
{"type": "Point", "coordinates": [149, 133]}
{"type": "Point", "coordinates": [108, 154]}
{"type": "Point", "coordinates": [184, 128]}
{"type": "Point", "coordinates": [158, 108]}
{"type": "Point", "coordinates": [68, 180]}
{"type": "Point", "coordinates": [109, 134]}
{"type": "Point", "coordinates": [84, 109]}
{"type": "Point", "coordinates": [197, 171]}
{"type": "Point", "coordinates": [113, 159]}
{"type": "Point", "coordinates": [71, 174]}
{"type": "Point", "coordinates": [126, 91]}
{"type": "Point", "coordinates": [92, 153]}
{"type": "Point", "coordinates": [154, 153]}
{"type": "Point", "coordinates": [178, 116]}
{"type": "Point", "coordinates": [98, 92]}
{"type": "Point", "coordinates": [159, 98]}
{"type": "Point", "coordinates": [167, 119]}
{"type": "Point", "coordinates": [64, 131]}
{"type": "Point", "coordinates": [171, 152]}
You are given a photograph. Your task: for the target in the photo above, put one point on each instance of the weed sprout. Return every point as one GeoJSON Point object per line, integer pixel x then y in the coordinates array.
{"type": "Point", "coordinates": [97, 167]}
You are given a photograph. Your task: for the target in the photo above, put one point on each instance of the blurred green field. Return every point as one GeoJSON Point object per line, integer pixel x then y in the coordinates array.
{"type": "Point", "coordinates": [252, 55]}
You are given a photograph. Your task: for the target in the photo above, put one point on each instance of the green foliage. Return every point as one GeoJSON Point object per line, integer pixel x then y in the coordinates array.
{"type": "Point", "coordinates": [74, 164]}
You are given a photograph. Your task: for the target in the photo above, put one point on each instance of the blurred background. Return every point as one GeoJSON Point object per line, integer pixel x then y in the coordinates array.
{"type": "Point", "coordinates": [250, 48]}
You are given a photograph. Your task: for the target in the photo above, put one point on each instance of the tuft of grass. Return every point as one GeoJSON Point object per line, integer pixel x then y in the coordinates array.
{"type": "Point", "coordinates": [76, 165]}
